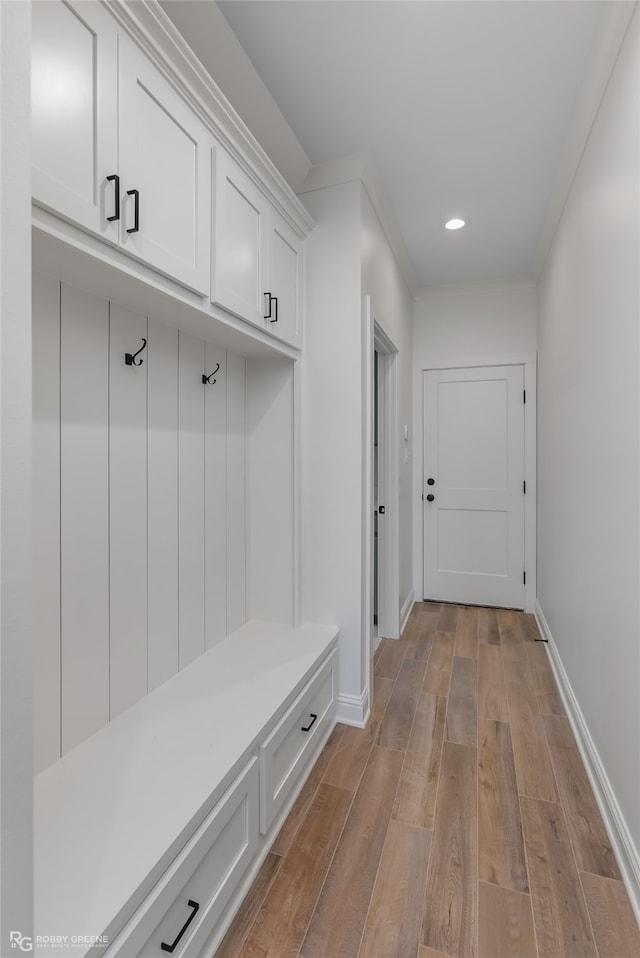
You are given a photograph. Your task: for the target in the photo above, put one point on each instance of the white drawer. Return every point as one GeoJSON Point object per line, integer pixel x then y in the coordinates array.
{"type": "Point", "coordinates": [286, 750]}
{"type": "Point", "coordinates": [198, 885]}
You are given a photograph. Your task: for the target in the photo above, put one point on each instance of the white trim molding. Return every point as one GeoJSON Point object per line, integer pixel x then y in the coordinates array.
{"type": "Point", "coordinates": [406, 609]}
{"type": "Point", "coordinates": [627, 855]}
{"type": "Point", "coordinates": [353, 709]}
{"type": "Point", "coordinates": [440, 291]}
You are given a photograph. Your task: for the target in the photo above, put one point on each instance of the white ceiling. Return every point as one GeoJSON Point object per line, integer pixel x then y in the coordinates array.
{"type": "Point", "coordinates": [463, 107]}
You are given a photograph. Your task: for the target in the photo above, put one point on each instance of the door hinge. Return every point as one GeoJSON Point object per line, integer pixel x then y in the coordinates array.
{"type": "Point", "coordinates": [524, 486]}
{"type": "Point", "coordinates": [524, 578]}
{"type": "Point", "coordinates": [524, 395]}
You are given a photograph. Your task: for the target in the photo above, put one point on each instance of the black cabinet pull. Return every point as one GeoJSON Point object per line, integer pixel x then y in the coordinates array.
{"type": "Point", "coordinates": [115, 179]}
{"type": "Point", "coordinates": [172, 948]}
{"type": "Point", "coordinates": [306, 728]}
{"type": "Point", "coordinates": [136, 211]}
{"type": "Point", "coordinates": [430, 497]}
{"type": "Point", "coordinates": [270, 316]}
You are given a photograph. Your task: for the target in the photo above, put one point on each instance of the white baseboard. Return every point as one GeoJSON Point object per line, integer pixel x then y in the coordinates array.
{"type": "Point", "coordinates": [405, 611]}
{"type": "Point", "coordinates": [627, 855]}
{"type": "Point", "coordinates": [353, 709]}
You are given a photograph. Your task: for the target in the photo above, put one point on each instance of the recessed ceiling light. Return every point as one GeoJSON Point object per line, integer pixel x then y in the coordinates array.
{"type": "Point", "coordinates": [454, 224]}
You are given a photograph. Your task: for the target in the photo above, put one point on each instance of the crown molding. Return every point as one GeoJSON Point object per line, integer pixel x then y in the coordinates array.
{"type": "Point", "coordinates": [472, 289]}
{"type": "Point", "coordinates": [152, 30]}
{"type": "Point", "coordinates": [360, 167]}
{"type": "Point", "coordinates": [616, 18]}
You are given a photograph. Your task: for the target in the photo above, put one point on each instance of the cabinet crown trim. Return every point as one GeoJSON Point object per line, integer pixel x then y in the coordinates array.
{"type": "Point", "coordinates": [152, 30]}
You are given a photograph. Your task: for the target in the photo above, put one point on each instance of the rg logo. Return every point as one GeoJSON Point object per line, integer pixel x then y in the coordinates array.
{"type": "Point", "coordinates": [18, 940]}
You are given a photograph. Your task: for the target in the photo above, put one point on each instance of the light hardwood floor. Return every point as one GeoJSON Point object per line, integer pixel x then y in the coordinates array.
{"type": "Point", "coordinates": [459, 823]}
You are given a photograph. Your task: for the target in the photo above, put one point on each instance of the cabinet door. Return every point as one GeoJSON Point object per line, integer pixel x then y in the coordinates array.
{"type": "Point", "coordinates": [74, 113]}
{"type": "Point", "coordinates": [165, 174]}
{"type": "Point", "coordinates": [239, 242]}
{"type": "Point", "coordinates": [284, 266]}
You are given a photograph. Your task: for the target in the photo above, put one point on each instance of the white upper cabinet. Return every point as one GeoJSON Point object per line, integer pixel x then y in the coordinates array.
{"type": "Point", "coordinates": [74, 87]}
{"type": "Point", "coordinates": [257, 262]}
{"type": "Point", "coordinates": [239, 242]}
{"type": "Point", "coordinates": [165, 174]}
{"type": "Point", "coordinates": [284, 279]}
{"type": "Point", "coordinates": [120, 151]}
{"type": "Point", "coordinates": [115, 149]}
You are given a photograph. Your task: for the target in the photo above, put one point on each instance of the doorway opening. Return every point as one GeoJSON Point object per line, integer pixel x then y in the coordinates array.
{"type": "Point", "coordinates": [384, 460]}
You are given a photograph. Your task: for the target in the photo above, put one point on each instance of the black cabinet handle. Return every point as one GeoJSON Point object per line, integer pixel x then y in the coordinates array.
{"type": "Point", "coordinates": [136, 211]}
{"type": "Point", "coordinates": [115, 179]}
{"type": "Point", "coordinates": [430, 497]}
{"type": "Point", "coordinates": [269, 316]}
{"type": "Point", "coordinates": [431, 482]}
{"type": "Point", "coordinates": [306, 728]}
{"type": "Point", "coordinates": [172, 948]}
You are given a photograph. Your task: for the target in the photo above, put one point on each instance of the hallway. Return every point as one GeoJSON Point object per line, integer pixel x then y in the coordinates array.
{"type": "Point", "coordinates": [460, 822]}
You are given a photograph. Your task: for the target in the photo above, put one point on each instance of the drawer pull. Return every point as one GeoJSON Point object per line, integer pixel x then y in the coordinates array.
{"type": "Point", "coordinates": [269, 315]}
{"type": "Point", "coordinates": [114, 178]}
{"type": "Point", "coordinates": [306, 728]}
{"type": "Point", "coordinates": [172, 948]}
{"type": "Point", "coordinates": [136, 211]}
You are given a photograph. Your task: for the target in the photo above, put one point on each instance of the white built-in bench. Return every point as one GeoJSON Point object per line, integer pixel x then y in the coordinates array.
{"type": "Point", "coordinates": [163, 818]}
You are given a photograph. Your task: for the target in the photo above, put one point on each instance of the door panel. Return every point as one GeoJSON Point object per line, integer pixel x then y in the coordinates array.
{"type": "Point", "coordinates": [73, 113]}
{"type": "Point", "coordinates": [285, 261]}
{"type": "Point", "coordinates": [239, 245]}
{"type": "Point", "coordinates": [165, 155]}
{"type": "Point", "coordinates": [474, 452]}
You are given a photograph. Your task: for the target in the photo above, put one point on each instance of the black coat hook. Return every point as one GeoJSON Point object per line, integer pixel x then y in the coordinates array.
{"type": "Point", "coordinates": [131, 360]}
{"type": "Point", "coordinates": [207, 380]}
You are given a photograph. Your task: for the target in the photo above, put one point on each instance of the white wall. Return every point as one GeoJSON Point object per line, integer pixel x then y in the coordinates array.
{"type": "Point", "coordinates": [589, 442]}
{"type": "Point", "coordinates": [16, 764]}
{"type": "Point", "coordinates": [331, 427]}
{"type": "Point", "coordinates": [392, 305]}
{"type": "Point", "coordinates": [455, 324]}
{"type": "Point", "coordinates": [348, 259]}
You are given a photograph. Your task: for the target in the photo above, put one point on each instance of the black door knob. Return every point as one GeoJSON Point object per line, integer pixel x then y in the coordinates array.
{"type": "Point", "coordinates": [431, 482]}
{"type": "Point", "coordinates": [430, 497]}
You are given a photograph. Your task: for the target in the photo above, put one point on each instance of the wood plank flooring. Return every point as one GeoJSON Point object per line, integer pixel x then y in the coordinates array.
{"type": "Point", "coordinates": [459, 824]}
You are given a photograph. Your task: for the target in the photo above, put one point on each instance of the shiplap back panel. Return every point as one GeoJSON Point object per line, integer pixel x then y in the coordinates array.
{"type": "Point", "coordinates": [215, 522]}
{"type": "Point", "coordinates": [139, 508]}
{"type": "Point", "coordinates": [236, 493]}
{"type": "Point", "coordinates": [162, 502]}
{"type": "Point", "coordinates": [270, 485]}
{"type": "Point", "coordinates": [191, 497]}
{"type": "Point", "coordinates": [46, 520]}
{"type": "Point", "coordinates": [127, 511]}
{"type": "Point", "coordinates": [84, 497]}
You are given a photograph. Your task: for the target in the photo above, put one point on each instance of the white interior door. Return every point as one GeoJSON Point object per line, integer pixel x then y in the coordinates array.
{"type": "Point", "coordinates": [474, 485]}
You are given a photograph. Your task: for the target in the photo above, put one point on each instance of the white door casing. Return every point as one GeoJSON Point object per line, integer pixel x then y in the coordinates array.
{"type": "Point", "coordinates": [474, 451]}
